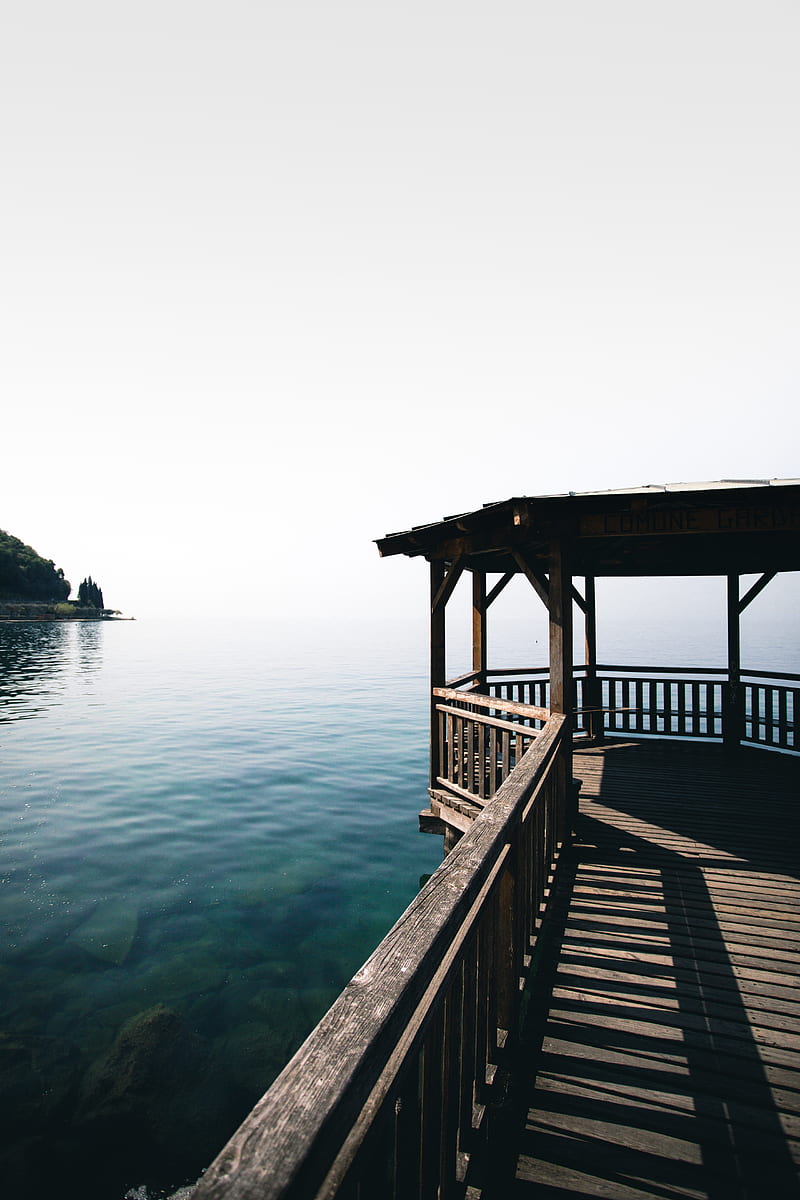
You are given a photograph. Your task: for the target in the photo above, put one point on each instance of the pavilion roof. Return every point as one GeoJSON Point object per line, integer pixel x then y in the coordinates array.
{"type": "Point", "coordinates": [716, 528]}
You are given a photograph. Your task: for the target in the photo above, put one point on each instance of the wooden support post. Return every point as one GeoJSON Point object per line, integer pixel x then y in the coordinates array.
{"type": "Point", "coordinates": [437, 660]}
{"type": "Point", "coordinates": [561, 682]}
{"type": "Point", "coordinates": [732, 714]}
{"type": "Point", "coordinates": [560, 610]}
{"type": "Point", "coordinates": [592, 688]}
{"type": "Point", "coordinates": [479, 627]}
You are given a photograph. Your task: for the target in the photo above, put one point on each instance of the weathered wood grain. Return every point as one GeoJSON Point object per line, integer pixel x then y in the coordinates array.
{"type": "Point", "coordinates": [494, 702]}
{"type": "Point", "coordinates": [383, 1056]}
{"type": "Point", "coordinates": [667, 1062]}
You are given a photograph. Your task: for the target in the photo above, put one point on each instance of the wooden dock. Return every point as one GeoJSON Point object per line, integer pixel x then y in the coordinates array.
{"type": "Point", "coordinates": [663, 1058]}
{"type": "Point", "coordinates": [657, 953]}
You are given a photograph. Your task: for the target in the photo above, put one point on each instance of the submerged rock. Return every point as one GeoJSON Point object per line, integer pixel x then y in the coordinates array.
{"type": "Point", "coordinates": [109, 932]}
{"type": "Point", "coordinates": [151, 1050]}
{"type": "Point", "coordinates": [151, 1101]}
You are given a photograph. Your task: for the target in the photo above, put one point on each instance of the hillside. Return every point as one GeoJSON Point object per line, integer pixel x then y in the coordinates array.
{"type": "Point", "coordinates": [25, 575]}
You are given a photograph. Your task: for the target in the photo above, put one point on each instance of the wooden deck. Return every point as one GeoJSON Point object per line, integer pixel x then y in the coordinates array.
{"type": "Point", "coordinates": [665, 1059]}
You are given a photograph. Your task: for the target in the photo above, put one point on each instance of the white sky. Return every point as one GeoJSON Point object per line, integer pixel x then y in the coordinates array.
{"type": "Point", "coordinates": [278, 279]}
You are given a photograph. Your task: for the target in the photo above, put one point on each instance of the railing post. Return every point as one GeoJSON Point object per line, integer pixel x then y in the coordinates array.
{"type": "Point", "coordinates": [479, 627]}
{"type": "Point", "coordinates": [437, 661]}
{"type": "Point", "coordinates": [593, 691]}
{"type": "Point", "coordinates": [561, 681]}
{"type": "Point", "coordinates": [732, 708]}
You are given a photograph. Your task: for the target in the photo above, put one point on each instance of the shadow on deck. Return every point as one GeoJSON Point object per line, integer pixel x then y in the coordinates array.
{"type": "Point", "coordinates": [664, 1059]}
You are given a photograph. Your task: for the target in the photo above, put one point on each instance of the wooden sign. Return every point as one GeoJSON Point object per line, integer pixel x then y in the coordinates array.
{"type": "Point", "coordinates": [677, 519]}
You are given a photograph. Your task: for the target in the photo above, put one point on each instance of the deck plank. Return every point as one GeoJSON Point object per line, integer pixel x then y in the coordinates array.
{"type": "Point", "coordinates": [664, 1060]}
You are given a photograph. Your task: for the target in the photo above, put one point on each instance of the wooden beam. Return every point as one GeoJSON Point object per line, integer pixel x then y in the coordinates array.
{"type": "Point", "coordinates": [537, 580]}
{"type": "Point", "coordinates": [757, 588]}
{"type": "Point", "coordinates": [449, 581]}
{"type": "Point", "coordinates": [498, 587]}
{"type": "Point", "coordinates": [579, 600]}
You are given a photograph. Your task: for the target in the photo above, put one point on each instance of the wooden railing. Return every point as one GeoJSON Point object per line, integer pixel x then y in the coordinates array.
{"type": "Point", "coordinates": [388, 1096]}
{"type": "Point", "coordinates": [481, 740]}
{"type": "Point", "coordinates": [652, 701]}
{"type": "Point", "coordinates": [771, 703]}
{"type": "Point", "coordinates": [680, 702]}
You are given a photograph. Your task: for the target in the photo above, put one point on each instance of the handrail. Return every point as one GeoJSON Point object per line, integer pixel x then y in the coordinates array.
{"type": "Point", "coordinates": [385, 1091]}
{"type": "Point", "coordinates": [690, 671]}
{"type": "Point", "coordinates": [467, 677]}
{"type": "Point", "coordinates": [483, 719]}
{"type": "Point", "coordinates": [645, 670]}
{"type": "Point", "coordinates": [524, 710]}
{"type": "Point", "coordinates": [757, 708]}
{"type": "Point", "coordinates": [500, 672]}
{"type": "Point", "coordinates": [787, 675]}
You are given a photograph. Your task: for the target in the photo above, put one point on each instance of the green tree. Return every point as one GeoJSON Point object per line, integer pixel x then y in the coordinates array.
{"type": "Point", "coordinates": [25, 575]}
{"type": "Point", "coordinates": [89, 594]}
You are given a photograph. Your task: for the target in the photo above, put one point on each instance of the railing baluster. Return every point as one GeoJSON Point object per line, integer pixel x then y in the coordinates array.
{"type": "Point", "coordinates": [431, 1123]}
{"type": "Point", "coordinates": [469, 1045]}
{"type": "Point", "coordinates": [493, 774]}
{"type": "Point", "coordinates": [507, 941]}
{"type": "Point", "coordinates": [482, 994]}
{"type": "Point", "coordinates": [451, 1067]}
{"type": "Point", "coordinates": [406, 1164]}
{"type": "Point", "coordinates": [771, 707]}
{"type": "Point", "coordinates": [716, 690]}
{"type": "Point", "coordinates": [638, 714]}
{"type": "Point", "coordinates": [444, 762]}
{"type": "Point", "coordinates": [504, 754]}
{"type": "Point", "coordinates": [524, 889]}
{"type": "Point", "coordinates": [749, 727]}
{"type": "Point", "coordinates": [680, 715]}
{"type": "Point", "coordinates": [544, 823]}
{"type": "Point", "coordinates": [615, 687]}
{"type": "Point", "coordinates": [782, 717]}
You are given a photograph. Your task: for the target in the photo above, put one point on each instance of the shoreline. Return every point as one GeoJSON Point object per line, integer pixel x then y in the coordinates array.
{"type": "Point", "coordinates": [56, 620]}
{"type": "Point", "coordinates": [16, 611]}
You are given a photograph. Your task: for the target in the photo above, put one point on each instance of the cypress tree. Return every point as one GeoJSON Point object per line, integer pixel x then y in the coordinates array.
{"type": "Point", "coordinates": [90, 595]}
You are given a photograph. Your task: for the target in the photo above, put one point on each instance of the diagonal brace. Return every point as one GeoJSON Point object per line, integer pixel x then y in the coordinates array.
{"type": "Point", "coordinates": [448, 583]}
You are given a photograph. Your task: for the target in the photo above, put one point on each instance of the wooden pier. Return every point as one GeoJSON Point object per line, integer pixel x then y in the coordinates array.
{"type": "Point", "coordinates": [584, 1000]}
{"type": "Point", "coordinates": [662, 1057]}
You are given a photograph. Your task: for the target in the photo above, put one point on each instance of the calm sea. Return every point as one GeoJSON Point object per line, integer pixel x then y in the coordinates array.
{"type": "Point", "coordinates": [205, 829]}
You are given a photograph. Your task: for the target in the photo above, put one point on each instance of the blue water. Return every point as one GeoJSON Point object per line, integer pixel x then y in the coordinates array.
{"type": "Point", "coordinates": [219, 819]}
{"type": "Point", "coordinates": [205, 828]}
